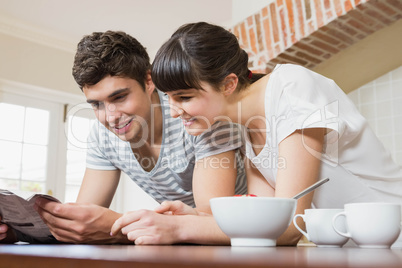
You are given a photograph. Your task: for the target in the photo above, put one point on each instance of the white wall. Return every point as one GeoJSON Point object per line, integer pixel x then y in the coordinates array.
{"type": "Point", "coordinates": [380, 101]}
{"type": "Point", "coordinates": [132, 197]}
{"type": "Point", "coordinates": [243, 9]}
{"type": "Point", "coordinates": [31, 63]}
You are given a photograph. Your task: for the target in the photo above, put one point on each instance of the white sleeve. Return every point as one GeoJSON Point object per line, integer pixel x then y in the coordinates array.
{"type": "Point", "coordinates": [222, 137]}
{"type": "Point", "coordinates": [307, 100]}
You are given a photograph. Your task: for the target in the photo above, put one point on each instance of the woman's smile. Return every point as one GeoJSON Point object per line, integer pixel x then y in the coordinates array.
{"type": "Point", "coordinates": [188, 122]}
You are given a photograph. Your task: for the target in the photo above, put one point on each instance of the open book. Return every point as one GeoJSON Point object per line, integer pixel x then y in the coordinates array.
{"type": "Point", "coordinates": [19, 213]}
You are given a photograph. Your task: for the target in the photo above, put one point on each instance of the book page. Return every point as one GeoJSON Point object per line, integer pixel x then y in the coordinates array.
{"type": "Point", "coordinates": [19, 214]}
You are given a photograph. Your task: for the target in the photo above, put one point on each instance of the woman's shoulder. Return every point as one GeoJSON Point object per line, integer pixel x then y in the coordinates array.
{"type": "Point", "coordinates": [298, 76]}
{"type": "Point", "coordinates": [294, 71]}
{"type": "Point", "coordinates": [289, 66]}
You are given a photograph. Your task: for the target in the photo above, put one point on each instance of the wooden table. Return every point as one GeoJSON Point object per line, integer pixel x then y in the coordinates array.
{"type": "Point", "coordinates": [75, 256]}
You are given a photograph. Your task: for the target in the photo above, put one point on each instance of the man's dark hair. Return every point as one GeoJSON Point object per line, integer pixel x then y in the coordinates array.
{"type": "Point", "coordinates": [111, 53]}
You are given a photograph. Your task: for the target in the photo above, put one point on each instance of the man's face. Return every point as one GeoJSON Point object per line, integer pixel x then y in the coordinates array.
{"type": "Point", "coordinates": [122, 106]}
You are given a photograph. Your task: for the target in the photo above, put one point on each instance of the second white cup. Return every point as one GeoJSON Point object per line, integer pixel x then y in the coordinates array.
{"type": "Point", "coordinates": [371, 225]}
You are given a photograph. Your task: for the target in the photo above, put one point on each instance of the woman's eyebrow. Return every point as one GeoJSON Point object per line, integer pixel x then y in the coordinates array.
{"type": "Point", "coordinates": [181, 92]}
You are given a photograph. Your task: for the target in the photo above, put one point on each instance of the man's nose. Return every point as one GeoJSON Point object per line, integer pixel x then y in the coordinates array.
{"type": "Point", "coordinates": [111, 113]}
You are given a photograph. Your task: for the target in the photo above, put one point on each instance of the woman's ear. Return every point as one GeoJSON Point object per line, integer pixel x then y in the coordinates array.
{"type": "Point", "coordinates": [230, 84]}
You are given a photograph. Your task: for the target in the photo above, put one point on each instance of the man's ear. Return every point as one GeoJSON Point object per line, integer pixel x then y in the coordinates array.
{"type": "Point", "coordinates": [149, 84]}
{"type": "Point", "coordinates": [230, 84]}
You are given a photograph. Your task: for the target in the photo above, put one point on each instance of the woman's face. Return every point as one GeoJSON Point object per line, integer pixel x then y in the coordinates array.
{"type": "Point", "coordinates": [199, 109]}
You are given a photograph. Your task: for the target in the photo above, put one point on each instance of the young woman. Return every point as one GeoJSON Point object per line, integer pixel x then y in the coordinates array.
{"type": "Point", "coordinates": [300, 126]}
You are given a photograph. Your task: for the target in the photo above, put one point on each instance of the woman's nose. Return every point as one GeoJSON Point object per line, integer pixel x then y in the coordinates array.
{"type": "Point", "coordinates": [175, 111]}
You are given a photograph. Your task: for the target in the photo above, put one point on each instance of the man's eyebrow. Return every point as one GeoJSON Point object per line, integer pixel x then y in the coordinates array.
{"type": "Point", "coordinates": [91, 101]}
{"type": "Point", "coordinates": [117, 92]}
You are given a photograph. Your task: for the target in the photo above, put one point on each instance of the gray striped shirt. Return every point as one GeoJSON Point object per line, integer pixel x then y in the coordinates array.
{"type": "Point", "coordinates": [171, 177]}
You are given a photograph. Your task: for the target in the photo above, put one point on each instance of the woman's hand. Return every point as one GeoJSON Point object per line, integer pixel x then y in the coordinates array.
{"type": "Point", "coordinates": [177, 208]}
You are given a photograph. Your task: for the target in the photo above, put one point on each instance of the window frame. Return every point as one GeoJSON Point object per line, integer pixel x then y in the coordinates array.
{"type": "Point", "coordinates": [64, 100]}
{"type": "Point", "coordinates": [56, 102]}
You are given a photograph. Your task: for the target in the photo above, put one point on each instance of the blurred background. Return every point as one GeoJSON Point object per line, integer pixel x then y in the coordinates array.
{"type": "Point", "coordinates": [44, 119]}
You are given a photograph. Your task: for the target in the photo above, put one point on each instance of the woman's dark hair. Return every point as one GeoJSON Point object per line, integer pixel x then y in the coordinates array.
{"type": "Point", "coordinates": [110, 53]}
{"type": "Point", "coordinates": [200, 52]}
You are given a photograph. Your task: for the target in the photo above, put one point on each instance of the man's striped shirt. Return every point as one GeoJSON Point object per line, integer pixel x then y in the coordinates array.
{"type": "Point", "coordinates": [171, 177]}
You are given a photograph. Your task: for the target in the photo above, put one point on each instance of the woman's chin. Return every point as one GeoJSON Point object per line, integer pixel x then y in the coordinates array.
{"type": "Point", "coordinates": [195, 131]}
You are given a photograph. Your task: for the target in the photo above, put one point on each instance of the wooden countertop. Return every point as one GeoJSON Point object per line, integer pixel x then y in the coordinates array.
{"type": "Point", "coordinates": [116, 256]}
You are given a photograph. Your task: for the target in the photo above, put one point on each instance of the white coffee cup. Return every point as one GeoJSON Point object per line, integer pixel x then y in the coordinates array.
{"type": "Point", "coordinates": [319, 227]}
{"type": "Point", "coordinates": [371, 225]}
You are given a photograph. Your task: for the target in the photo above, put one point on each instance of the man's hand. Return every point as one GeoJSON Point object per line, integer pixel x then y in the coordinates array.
{"type": "Point", "coordinates": [161, 226]}
{"type": "Point", "coordinates": [148, 227]}
{"type": "Point", "coordinates": [79, 223]}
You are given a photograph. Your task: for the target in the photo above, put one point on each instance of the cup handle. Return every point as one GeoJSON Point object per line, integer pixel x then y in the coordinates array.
{"type": "Point", "coordinates": [298, 228]}
{"type": "Point", "coordinates": [340, 214]}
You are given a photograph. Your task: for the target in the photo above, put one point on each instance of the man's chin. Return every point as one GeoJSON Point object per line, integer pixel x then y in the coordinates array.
{"type": "Point", "coordinates": [121, 136]}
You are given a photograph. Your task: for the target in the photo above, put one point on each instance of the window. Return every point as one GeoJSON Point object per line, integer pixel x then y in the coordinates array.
{"type": "Point", "coordinates": [79, 122]}
{"type": "Point", "coordinates": [43, 141]}
{"type": "Point", "coordinates": [26, 161]}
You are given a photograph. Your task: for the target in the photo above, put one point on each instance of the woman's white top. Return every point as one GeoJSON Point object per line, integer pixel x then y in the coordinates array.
{"type": "Point", "coordinates": [359, 167]}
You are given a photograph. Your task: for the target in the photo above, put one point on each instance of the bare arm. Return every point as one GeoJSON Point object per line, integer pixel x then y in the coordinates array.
{"type": "Point", "coordinates": [301, 152]}
{"type": "Point", "coordinates": [213, 176]}
{"type": "Point", "coordinates": [98, 187]}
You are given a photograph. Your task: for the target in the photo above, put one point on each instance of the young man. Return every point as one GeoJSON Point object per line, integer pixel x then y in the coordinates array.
{"type": "Point", "coordinates": [135, 134]}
